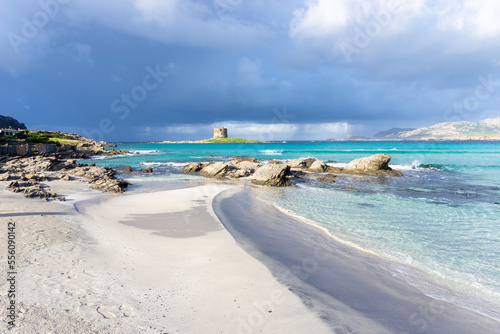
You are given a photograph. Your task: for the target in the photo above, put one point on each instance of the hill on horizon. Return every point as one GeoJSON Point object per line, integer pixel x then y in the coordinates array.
{"type": "Point", "coordinates": [6, 122]}
{"type": "Point", "coordinates": [487, 127]}
{"type": "Point", "coordinates": [393, 131]}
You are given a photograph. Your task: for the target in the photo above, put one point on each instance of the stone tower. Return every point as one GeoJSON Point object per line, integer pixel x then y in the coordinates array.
{"type": "Point", "coordinates": [220, 133]}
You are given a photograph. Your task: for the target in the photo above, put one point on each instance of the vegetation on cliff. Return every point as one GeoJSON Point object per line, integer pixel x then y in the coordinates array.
{"type": "Point", "coordinates": [46, 137]}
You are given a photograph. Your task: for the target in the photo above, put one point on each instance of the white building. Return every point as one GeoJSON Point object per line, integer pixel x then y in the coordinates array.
{"type": "Point", "coordinates": [9, 132]}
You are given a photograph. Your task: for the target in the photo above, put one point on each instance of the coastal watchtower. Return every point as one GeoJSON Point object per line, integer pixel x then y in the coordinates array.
{"type": "Point", "coordinates": [220, 133]}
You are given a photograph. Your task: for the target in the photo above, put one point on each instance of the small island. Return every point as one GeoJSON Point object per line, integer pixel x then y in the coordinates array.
{"type": "Point", "coordinates": [220, 137]}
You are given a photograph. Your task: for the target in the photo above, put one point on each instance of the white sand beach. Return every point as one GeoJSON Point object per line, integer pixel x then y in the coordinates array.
{"type": "Point", "coordinates": [139, 263]}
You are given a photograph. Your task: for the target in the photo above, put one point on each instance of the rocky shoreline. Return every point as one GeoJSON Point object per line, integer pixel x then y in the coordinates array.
{"type": "Point", "coordinates": [282, 174]}
{"type": "Point", "coordinates": [28, 172]}
{"type": "Point", "coordinates": [26, 176]}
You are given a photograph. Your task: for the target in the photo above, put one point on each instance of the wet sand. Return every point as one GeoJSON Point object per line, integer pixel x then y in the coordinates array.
{"type": "Point", "coordinates": [351, 289]}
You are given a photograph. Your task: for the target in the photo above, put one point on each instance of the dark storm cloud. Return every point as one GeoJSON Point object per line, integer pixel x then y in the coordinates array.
{"type": "Point", "coordinates": [150, 69]}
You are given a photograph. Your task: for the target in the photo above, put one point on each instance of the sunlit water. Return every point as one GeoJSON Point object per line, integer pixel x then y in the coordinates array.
{"type": "Point", "coordinates": [441, 219]}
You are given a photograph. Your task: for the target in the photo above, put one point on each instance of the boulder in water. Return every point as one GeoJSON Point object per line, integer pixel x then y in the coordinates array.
{"type": "Point", "coordinates": [272, 175]}
{"type": "Point", "coordinates": [375, 165]}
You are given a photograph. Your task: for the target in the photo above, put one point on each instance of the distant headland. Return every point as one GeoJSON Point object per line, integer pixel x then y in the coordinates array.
{"type": "Point", "coordinates": [488, 129]}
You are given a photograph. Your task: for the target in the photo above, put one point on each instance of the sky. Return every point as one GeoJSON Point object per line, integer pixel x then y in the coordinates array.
{"type": "Point", "coordinates": [148, 70]}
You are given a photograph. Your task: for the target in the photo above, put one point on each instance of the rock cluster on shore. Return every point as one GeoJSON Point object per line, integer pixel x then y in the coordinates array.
{"type": "Point", "coordinates": [27, 164]}
{"type": "Point", "coordinates": [78, 147]}
{"type": "Point", "coordinates": [27, 174]}
{"type": "Point", "coordinates": [279, 174]}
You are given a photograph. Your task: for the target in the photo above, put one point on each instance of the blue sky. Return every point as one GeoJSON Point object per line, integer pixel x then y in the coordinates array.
{"type": "Point", "coordinates": [140, 70]}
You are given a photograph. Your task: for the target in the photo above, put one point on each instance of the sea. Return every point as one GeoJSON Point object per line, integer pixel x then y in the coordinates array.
{"type": "Point", "coordinates": [439, 224]}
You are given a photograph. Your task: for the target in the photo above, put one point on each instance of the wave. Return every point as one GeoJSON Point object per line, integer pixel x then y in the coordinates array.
{"type": "Point", "coordinates": [105, 157]}
{"type": "Point", "coordinates": [269, 152]}
{"type": "Point", "coordinates": [163, 164]}
{"type": "Point", "coordinates": [147, 152]}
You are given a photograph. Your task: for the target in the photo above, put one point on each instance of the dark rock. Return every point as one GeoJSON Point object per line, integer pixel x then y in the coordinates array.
{"type": "Point", "coordinates": [147, 170]}
{"type": "Point", "coordinates": [326, 179]}
{"type": "Point", "coordinates": [300, 174]}
{"type": "Point", "coordinates": [346, 188]}
{"type": "Point", "coordinates": [13, 184]}
{"type": "Point", "coordinates": [127, 169]}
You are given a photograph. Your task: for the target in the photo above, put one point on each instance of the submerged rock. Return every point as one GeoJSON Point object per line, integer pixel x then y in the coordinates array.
{"type": "Point", "coordinates": [331, 169]}
{"type": "Point", "coordinates": [272, 175]}
{"type": "Point", "coordinates": [330, 178]}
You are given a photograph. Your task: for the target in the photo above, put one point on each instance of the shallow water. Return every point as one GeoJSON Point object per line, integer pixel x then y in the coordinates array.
{"type": "Point", "coordinates": [353, 290]}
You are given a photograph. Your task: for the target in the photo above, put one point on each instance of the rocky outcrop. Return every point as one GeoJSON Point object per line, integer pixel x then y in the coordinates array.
{"type": "Point", "coordinates": [375, 165]}
{"type": "Point", "coordinates": [279, 174]}
{"type": "Point", "coordinates": [272, 175]}
{"type": "Point", "coordinates": [301, 163]}
{"type": "Point", "coordinates": [318, 166]}
{"type": "Point", "coordinates": [216, 170]}
{"type": "Point", "coordinates": [31, 189]}
{"type": "Point", "coordinates": [193, 167]}
{"type": "Point", "coordinates": [78, 147]}
{"type": "Point", "coordinates": [374, 162]}
{"type": "Point", "coordinates": [247, 166]}
{"type": "Point", "coordinates": [34, 170]}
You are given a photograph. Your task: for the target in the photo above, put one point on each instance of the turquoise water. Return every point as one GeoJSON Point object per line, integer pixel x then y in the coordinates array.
{"type": "Point", "coordinates": [441, 219]}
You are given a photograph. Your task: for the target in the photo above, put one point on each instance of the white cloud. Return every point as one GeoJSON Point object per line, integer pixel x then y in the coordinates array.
{"type": "Point", "coordinates": [481, 16]}
{"type": "Point", "coordinates": [322, 19]}
{"type": "Point", "coordinates": [368, 33]}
